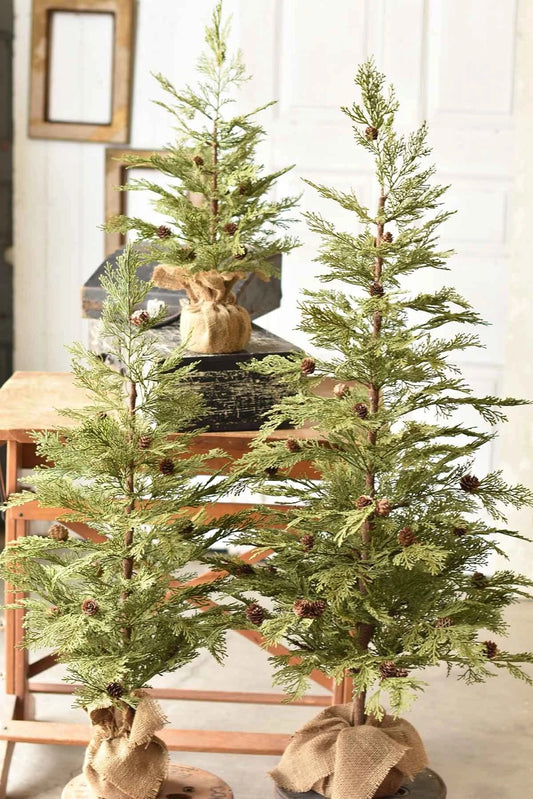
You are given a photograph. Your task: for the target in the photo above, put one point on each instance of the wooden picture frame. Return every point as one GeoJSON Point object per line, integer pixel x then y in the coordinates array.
{"type": "Point", "coordinates": [40, 126]}
{"type": "Point", "coordinates": [115, 201]}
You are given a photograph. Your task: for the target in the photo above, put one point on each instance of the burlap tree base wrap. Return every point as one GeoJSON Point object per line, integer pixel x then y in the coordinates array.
{"type": "Point", "coordinates": [337, 760]}
{"type": "Point", "coordinates": [126, 760]}
{"type": "Point", "coordinates": [213, 321]}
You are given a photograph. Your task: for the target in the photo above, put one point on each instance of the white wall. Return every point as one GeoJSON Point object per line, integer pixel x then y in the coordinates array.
{"type": "Point", "coordinates": [453, 63]}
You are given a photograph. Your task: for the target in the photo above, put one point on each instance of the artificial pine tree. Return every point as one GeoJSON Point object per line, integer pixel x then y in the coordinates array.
{"type": "Point", "coordinates": [379, 569]}
{"type": "Point", "coordinates": [221, 225]}
{"type": "Point", "coordinates": [113, 606]}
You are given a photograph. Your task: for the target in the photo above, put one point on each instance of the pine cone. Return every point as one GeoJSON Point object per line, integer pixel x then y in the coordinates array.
{"type": "Point", "coordinates": [340, 390]}
{"type": "Point", "coordinates": [115, 690]}
{"type": "Point", "coordinates": [383, 507]}
{"type": "Point", "coordinates": [387, 237]}
{"type": "Point", "coordinates": [307, 366]}
{"type": "Point", "coordinates": [308, 609]}
{"type": "Point", "coordinates": [292, 445]}
{"type": "Point", "coordinates": [459, 531]}
{"type": "Point", "coordinates": [90, 607]}
{"type": "Point", "coordinates": [166, 466]}
{"type": "Point", "coordinates": [271, 471]}
{"type": "Point", "coordinates": [307, 541]}
{"type": "Point", "coordinates": [490, 649]}
{"type": "Point", "coordinates": [401, 673]}
{"type": "Point", "coordinates": [198, 160]}
{"type": "Point", "coordinates": [139, 318]}
{"type": "Point", "coordinates": [363, 502]}
{"type": "Point", "coordinates": [240, 256]}
{"type": "Point", "coordinates": [469, 483]}
{"type": "Point", "coordinates": [388, 669]}
{"type": "Point", "coordinates": [479, 580]}
{"type": "Point", "coordinates": [53, 611]}
{"type": "Point", "coordinates": [376, 289]}
{"type": "Point", "coordinates": [144, 442]}
{"type": "Point", "coordinates": [164, 232]}
{"type": "Point", "coordinates": [58, 532]}
{"type": "Point", "coordinates": [445, 621]}
{"type": "Point", "coordinates": [255, 614]}
{"type": "Point", "coordinates": [244, 188]}
{"type": "Point", "coordinates": [243, 569]}
{"type": "Point", "coordinates": [231, 228]}
{"type": "Point", "coordinates": [371, 133]}
{"type": "Point", "coordinates": [360, 410]}
{"type": "Point", "coordinates": [406, 537]}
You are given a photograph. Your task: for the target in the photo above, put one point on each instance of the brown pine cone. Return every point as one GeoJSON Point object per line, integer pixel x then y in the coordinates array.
{"type": "Point", "coordinates": [144, 442]}
{"type": "Point", "coordinates": [340, 390]}
{"type": "Point", "coordinates": [164, 232]}
{"type": "Point", "coordinates": [459, 531]}
{"type": "Point", "coordinates": [469, 483]}
{"type": "Point", "coordinates": [406, 537]}
{"type": "Point", "coordinates": [90, 607]}
{"type": "Point", "coordinates": [58, 532]}
{"type": "Point", "coordinates": [198, 160]}
{"type": "Point", "coordinates": [383, 507]}
{"type": "Point", "coordinates": [361, 410]}
{"type": "Point", "coordinates": [255, 614]}
{"type": "Point", "coordinates": [308, 609]}
{"type": "Point", "coordinates": [243, 569]}
{"type": "Point", "coordinates": [387, 237]}
{"type": "Point", "coordinates": [307, 366]}
{"type": "Point", "coordinates": [271, 471]}
{"type": "Point", "coordinates": [490, 649]}
{"type": "Point", "coordinates": [240, 256]}
{"type": "Point", "coordinates": [292, 445]}
{"type": "Point", "coordinates": [115, 690]}
{"type": "Point", "coordinates": [371, 133]}
{"type": "Point", "coordinates": [139, 318]}
{"type": "Point", "coordinates": [363, 502]}
{"type": "Point", "coordinates": [388, 669]}
{"type": "Point", "coordinates": [231, 228]}
{"type": "Point", "coordinates": [479, 580]}
{"type": "Point", "coordinates": [307, 541]}
{"type": "Point", "coordinates": [376, 289]}
{"type": "Point", "coordinates": [53, 611]}
{"type": "Point", "coordinates": [401, 673]}
{"type": "Point", "coordinates": [166, 466]}
{"type": "Point", "coordinates": [445, 621]}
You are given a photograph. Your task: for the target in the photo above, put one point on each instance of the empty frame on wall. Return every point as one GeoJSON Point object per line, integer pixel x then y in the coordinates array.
{"type": "Point", "coordinates": [81, 69]}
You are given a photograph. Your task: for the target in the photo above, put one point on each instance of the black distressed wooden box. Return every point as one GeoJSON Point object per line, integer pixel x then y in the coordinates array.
{"type": "Point", "coordinates": [235, 399]}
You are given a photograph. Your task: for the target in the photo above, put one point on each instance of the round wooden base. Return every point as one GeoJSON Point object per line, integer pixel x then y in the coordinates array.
{"type": "Point", "coordinates": [426, 785]}
{"type": "Point", "coordinates": [182, 782]}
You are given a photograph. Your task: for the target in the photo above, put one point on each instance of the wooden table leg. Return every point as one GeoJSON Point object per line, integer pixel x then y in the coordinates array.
{"type": "Point", "coordinates": [6, 747]}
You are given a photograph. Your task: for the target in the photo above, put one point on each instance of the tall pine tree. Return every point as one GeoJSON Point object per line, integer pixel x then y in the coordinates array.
{"type": "Point", "coordinates": [379, 569]}
{"type": "Point", "coordinates": [117, 608]}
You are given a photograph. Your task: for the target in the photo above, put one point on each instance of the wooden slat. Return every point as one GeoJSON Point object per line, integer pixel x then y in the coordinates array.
{"type": "Point", "coordinates": [43, 664]}
{"type": "Point", "coordinates": [217, 741]}
{"type": "Point", "coordinates": [179, 694]}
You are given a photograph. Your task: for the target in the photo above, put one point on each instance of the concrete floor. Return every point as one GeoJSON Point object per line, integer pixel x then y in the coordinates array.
{"type": "Point", "coordinates": [479, 738]}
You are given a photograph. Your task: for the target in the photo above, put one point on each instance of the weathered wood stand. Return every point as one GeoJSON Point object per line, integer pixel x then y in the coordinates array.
{"type": "Point", "coordinates": [182, 782]}
{"type": "Point", "coordinates": [427, 785]}
{"type": "Point", "coordinates": [27, 402]}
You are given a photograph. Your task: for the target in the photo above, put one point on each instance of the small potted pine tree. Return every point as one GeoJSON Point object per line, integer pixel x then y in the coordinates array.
{"type": "Point", "coordinates": [379, 569]}
{"type": "Point", "coordinates": [221, 223]}
{"type": "Point", "coordinates": [112, 607]}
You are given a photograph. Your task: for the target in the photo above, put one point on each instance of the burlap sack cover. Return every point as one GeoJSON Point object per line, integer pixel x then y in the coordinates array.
{"type": "Point", "coordinates": [126, 763]}
{"type": "Point", "coordinates": [337, 760]}
{"type": "Point", "coordinates": [212, 322]}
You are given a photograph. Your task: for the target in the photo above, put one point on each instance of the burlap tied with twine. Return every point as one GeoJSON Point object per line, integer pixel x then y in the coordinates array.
{"type": "Point", "coordinates": [332, 757]}
{"type": "Point", "coordinates": [212, 321]}
{"type": "Point", "coordinates": [130, 761]}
